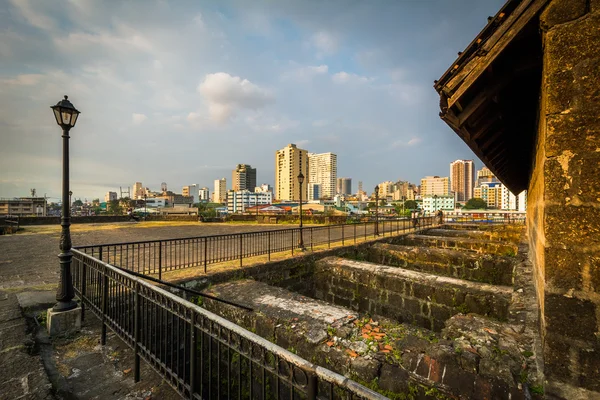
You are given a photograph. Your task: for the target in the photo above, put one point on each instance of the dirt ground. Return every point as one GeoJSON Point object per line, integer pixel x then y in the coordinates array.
{"type": "Point", "coordinates": [28, 259]}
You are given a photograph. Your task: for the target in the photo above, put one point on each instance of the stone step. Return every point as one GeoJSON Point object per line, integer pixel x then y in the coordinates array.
{"type": "Point", "coordinates": [394, 358]}
{"type": "Point", "coordinates": [423, 299]}
{"type": "Point", "coordinates": [492, 235]}
{"type": "Point", "coordinates": [463, 244]}
{"type": "Point", "coordinates": [495, 270]}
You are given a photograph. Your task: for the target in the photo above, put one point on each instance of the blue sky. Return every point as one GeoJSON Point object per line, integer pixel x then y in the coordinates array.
{"type": "Point", "coordinates": [182, 91]}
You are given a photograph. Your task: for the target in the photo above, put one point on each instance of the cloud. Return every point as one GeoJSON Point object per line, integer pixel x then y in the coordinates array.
{"type": "Point", "coordinates": [137, 119]}
{"type": "Point", "coordinates": [304, 74]}
{"type": "Point", "coordinates": [32, 14]}
{"type": "Point", "coordinates": [23, 79]}
{"type": "Point", "coordinates": [410, 143]}
{"type": "Point", "coordinates": [345, 77]}
{"type": "Point", "coordinates": [225, 94]}
{"type": "Point", "coordinates": [325, 42]}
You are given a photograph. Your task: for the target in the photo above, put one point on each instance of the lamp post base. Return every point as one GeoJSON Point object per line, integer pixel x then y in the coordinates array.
{"type": "Point", "coordinates": [63, 306]}
{"type": "Point", "coordinates": [64, 322]}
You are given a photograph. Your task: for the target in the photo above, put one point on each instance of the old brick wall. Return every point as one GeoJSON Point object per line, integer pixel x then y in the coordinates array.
{"type": "Point", "coordinates": [564, 199]}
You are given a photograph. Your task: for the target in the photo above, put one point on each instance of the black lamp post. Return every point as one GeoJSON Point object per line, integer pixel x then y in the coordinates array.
{"type": "Point", "coordinates": [301, 181]}
{"type": "Point", "coordinates": [70, 200]}
{"type": "Point", "coordinates": [66, 116]}
{"type": "Point", "coordinates": [377, 210]}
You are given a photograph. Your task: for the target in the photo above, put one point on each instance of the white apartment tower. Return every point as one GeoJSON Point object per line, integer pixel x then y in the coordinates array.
{"type": "Point", "coordinates": [462, 179]}
{"type": "Point", "coordinates": [322, 170]}
{"type": "Point", "coordinates": [220, 192]}
{"type": "Point", "coordinates": [289, 162]}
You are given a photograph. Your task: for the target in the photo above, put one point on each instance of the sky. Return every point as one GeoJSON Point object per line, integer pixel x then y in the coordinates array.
{"type": "Point", "coordinates": [182, 91]}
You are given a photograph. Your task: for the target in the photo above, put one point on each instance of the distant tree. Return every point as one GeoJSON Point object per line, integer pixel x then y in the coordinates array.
{"type": "Point", "coordinates": [96, 202]}
{"type": "Point", "coordinates": [475, 204]}
{"type": "Point", "coordinates": [410, 205]}
{"type": "Point", "coordinates": [78, 203]}
{"type": "Point", "coordinates": [371, 205]}
{"type": "Point", "coordinates": [114, 207]}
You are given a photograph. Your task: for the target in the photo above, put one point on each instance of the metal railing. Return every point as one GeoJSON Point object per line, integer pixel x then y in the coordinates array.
{"type": "Point", "coordinates": [486, 217]}
{"type": "Point", "coordinates": [158, 256]}
{"type": "Point", "coordinates": [201, 355]}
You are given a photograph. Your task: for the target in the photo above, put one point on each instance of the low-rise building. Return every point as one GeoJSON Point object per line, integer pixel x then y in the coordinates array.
{"type": "Point", "coordinates": [434, 203]}
{"type": "Point", "coordinates": [24, 206]}
{"type": "Point", "coordinates": [110, 196]}
{"type": "Point", "coordinates": [239, 201]}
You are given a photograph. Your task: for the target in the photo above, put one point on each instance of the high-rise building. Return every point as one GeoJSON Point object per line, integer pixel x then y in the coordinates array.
{"type": "Point", "coordinates": [485, 175]}
{"type": "Point", "coordinates": [239, 201]}
{"type": "Point", "coordinates": [243, 177]}
{"type": "Point", "coordinates": [462, 179]}
{"type": "Point", "coordinates": [191, 191]}
{"type": "Point", "coordinates": [220, 192]}
{"type": "Point", "coordinates": [322, 170]}
{"type": "Point", "coordinates": [138, 191]}
{"type": "Point", "coordinates": [289, 162]}
{"type": "Point", "coordinates": [314, 191]}
{"type": "Point", "coordinates": [344, 186]}
{"type": "Point", "coordinates": [110, 196]}
{"type": "Point", "coordinates": [204, 194]}
{"type": "Point", "coordinates": [431, 185]}
{"type": "Point", "coordinates": [360, 187]}
{"type": "Point", "coordinates": [491, 193]}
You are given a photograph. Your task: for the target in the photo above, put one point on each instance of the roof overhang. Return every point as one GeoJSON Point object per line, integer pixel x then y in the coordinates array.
{"type": "Point", "coordinates": [490, 94]}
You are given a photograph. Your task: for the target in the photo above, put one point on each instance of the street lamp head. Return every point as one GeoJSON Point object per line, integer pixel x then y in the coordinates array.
{"type": "Point", "coordinates": [377, 190]}
{"type": "Point", "coordinates": [301, 178]}
{"type": "Point", "coordinates": [65, 113]}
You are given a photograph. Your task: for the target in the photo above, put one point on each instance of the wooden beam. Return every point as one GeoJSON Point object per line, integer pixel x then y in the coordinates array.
{"type": "Point", "coordinates": [498, 42]}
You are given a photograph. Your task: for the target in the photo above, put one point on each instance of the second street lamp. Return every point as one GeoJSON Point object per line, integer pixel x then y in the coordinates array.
{"type": "Point", "coordinates": [301, 181]}
{"type": "Point", "coordinates": [66, 116]}
{"type": "Point", "coordinates": [377, 210]}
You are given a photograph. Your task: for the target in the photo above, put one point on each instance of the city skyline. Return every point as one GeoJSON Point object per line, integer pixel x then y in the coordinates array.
{"type": "Point", "coordinates": [184, 92]}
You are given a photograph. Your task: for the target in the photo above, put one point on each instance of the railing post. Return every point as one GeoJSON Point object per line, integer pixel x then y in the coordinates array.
{"type": "Point", "coordinates": [269, 244]}
{"type": "Point", "coordinates": [293, 243]}
{"type": "Point", "coordinates": [312, 386]}
{"type": "Point", "coordinates": [329, 236]}
{"type": "Point", "coordinates": [241, 250]}
{"type": "Point", "coordinates": [343, 234]}
{"type": "Point", "coordinates": [136, 335]}
{"type": "Point", "coordinates": [354, 233]}
{"type": "Point", "coordinates": [193, 345]}
{"type": "Point", "coordinates": [160, 260]}
{"type": "Point", "coordinates": [104, 305]}
{"type": "Point", "coordinates": [205, 253]}
{"type": "Point", "coordinates": [100, 254]}
{"type": "Point", "coordinates": [82, 286]}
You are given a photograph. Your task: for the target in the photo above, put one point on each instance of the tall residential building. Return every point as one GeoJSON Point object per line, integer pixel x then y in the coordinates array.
{"type": "Point", "coordinates": [431, 185]}
{"type": "Point", "coordinates": [191, 191]}
{"type": "Point", "coordinates": [204, 194]}
{"type": "Point", "coordinates": [386, 189]}
{"type": "Point", "coordinates": [138, 191]}
{"type": "Point", "coordinates": [289, 162]}
{"type": "Point", "coordinates": [110, 196]}
{"type": "Point", "coordinates": [462, 179]}
{"type": "Point", "coordinates": [344, 186]}
{"type": "Point", "coordinates": [360, 187]}
{"type": "Point", "coordinates": [243, 177]}
{"type": "Point", "coordinates": [322, 170]}
{"type": "Point", "coordinates": [491, 193]}
{"type": "Point", "coordinates": [220, 192]}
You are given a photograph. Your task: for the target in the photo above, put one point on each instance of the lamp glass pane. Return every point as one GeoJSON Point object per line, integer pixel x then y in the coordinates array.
{"type": "Point", "coordinates": [57, 116]}
{"type": "Point", "coordinates": [66, 117]}
{"type": "Point", "coordinates": [74, 118]}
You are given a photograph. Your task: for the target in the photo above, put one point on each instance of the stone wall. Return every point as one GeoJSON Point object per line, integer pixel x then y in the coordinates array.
{"type": "Point", "coordinates": [564, 200]}
{"type": "Point", "coordinates": [406, 296]}
{"type": "Point", "coordinates": [495, 270]}
{"type": "Point", "coordinates": [457, 243]}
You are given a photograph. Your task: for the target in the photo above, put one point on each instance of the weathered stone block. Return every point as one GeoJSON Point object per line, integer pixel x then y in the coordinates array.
{"type": "Point", "coordinates": [571, 317]}
{"type": "Point", "coordinates": [564, 268]}
{"type": "Point", "coordinates": [589, 360]}
{"type": "Point", "coordinates": [394, 379]}
{"type": "Point", "coordinates": [477, 304]}
{"type": "Point", "coordinates": [561, 11]}
{"type": "Point", "coordinates": [577, 132]}
{"type": "Point", "coordinates": [572, 227]}
{"type": "Point", "coordinates": [423, 291]}
{"type": "Point", "coordinates": [556, 359]}
{"type": "Point", "coordinates": [64, 322]}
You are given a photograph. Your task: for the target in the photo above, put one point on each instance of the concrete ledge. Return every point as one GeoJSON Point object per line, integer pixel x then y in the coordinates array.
{"type": "Point", "coordinates": [458, 243]}
{"type": "Point", "coordinates": [64, 322]}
